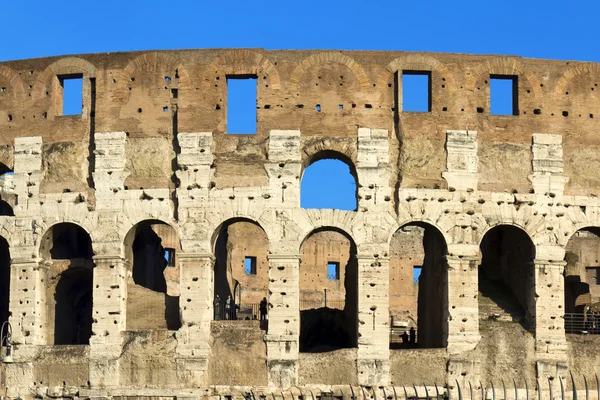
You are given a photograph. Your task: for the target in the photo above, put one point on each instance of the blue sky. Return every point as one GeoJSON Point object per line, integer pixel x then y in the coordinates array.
{"type": "Point", "coordinates": [543, 29]}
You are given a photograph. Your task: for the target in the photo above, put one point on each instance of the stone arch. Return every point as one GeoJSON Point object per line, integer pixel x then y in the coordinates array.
{"type": "Point", "coordinates": [316, 150]}
{"type": "Point", "coordinates": [240, 247]}
{"type": "Point", "coordinates": [515, 224]}
{"type": "Point", "coordinates": [217, 220]}
{"type": "Point", "coordinates": [14, 80]}
{"type": "Point", "coordinates": [318, 219]}
{"type": "Point", "coordinates": [582, 274]}
{"type": "Point", "coordinates": [419, 246]}
{"type": "Point", "coordinates": [571, 73]}
{"type": "Point", "coordinates": [328, 322]}
{"type": "Point", "coordinates": [246, 62]}
{"type": "Point", "coordinates": [423, 221]}
{"type": "Point", "coordinates": [305, 184]}
{"type": "Point", "coordinates": [505, 66]}
{"type": "Point", "coordinates": [51, 233]}
{"type": "Point", "coordinates": [507, 273]}
{"type": "Point", "coordinates": [85, 223]}
{"type": "Point", "coordinates": [417, 62]}
{"type": "Point", "coordinates": [151, 248]}
{"type": "Point", "coordinates": [154, 58]}
{"type": "Point", "coordinates": [330, 56]}
{"type": "Point", "coordinates": [62, 66]}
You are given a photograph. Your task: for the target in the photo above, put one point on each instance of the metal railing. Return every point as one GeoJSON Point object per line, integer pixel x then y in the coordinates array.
{"type": "Point", "coordinates": [582, 323]}
{"type": "Point", "coordinates": [403, 336]}
{"type": "Point", "coordinates": [238, 312]}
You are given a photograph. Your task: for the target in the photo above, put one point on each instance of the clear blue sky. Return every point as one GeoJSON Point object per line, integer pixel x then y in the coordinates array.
{"type": "Point", "coordinates": [544, 29]}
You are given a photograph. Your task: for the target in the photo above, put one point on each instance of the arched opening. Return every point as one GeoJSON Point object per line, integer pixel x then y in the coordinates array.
{"type": "Point", "coordinates": [582, 281]}
{"type": "Point", "coordinates": [73, 306]}
{"type": "Point", "coordinates": [8, 198]}
{"type": "Point", "coordinates": [241, 272]}
{"type": "Point", "coordinates": [328, 292]}
{"type": "Point", "coordinates": [418, 287]}
{"type": "Point", "coordinates": [151, 248]}
{"type": "Point", "coordinates": [329, 181]}
{"type": "Point", "coordinates": [67, 250]}
{"type": "Point", "coordinates": [506, 276]}
{"type": "Point", "coordinates": [4, 280]}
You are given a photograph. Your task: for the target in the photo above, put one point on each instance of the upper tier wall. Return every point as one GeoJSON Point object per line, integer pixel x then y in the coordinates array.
{"type": "Point", "coordinates": [129, 92]}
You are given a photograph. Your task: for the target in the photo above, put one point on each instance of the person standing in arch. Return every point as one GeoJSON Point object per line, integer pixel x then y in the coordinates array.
{"type": "Point", "coordinates": [263, 309]}
{"type": "Point", "coordinates": [217, 307]}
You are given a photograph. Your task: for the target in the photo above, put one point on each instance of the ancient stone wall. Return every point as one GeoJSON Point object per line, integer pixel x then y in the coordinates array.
{"type": "Point", "coordinates": [150, 148]}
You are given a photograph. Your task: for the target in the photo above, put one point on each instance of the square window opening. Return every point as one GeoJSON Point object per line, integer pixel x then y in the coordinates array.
{"type": "Point", "coordinates": [241, 104]}
{"type": "Point", "coordinates": [416, 91]}
{"type": "Point", "coordinates": [504, 95]}
{"type": "Point", "coordinates": [417, 273]}
{"type": "Point", "coordinates": [250, 265]}
{"type": "Point", "coordinates": [72, 97]}
{"type": "Point", "coordinates": [170, 257]}
{"type": "Point", "coordinates": [333, 271]}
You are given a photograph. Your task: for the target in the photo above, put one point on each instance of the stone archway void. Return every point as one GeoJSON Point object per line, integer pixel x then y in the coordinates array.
{"type": "Point", "coordinates": [328, 291]}
{"type": "Point", "coordinates": [418, 287]}
{"type": "Point", "coordinates": [329, 181]}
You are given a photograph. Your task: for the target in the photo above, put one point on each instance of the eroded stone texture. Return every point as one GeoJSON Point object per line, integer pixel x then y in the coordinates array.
{"type": "Point", "coordinates": [501, 219]}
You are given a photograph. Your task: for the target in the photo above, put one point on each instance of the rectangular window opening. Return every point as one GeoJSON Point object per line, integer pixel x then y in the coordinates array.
{"type": "Point", "coordinates": [333, 271]}
{"type": "Point", "coordinates": [592, 275]}
{"type": "Point", "coordinates": [72, 100]}
{"type": "Point", "coordinates": [417, 273]}
{"type": "Point", "coordinates": [250, 265]}
{"type": "Point", "coordinates": [241, 104]}
{"type": "Point", "coordinates": [170, 257]}
{"type": "Point", "coordinates": [504, 95]}
{"type": "Point", "coordinates": [416, 91]}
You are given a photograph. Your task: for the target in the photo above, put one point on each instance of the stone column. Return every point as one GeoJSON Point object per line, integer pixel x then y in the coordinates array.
{"type": "Point", "coordinates": [284, 320]}
{"type": "Point", "coordinates": [373, 320]}
{"type": "Point", "coordinates": [550, 339]}
{"type": "Point", "coordinates": [28, 304]}
{"type": "Point", "coordinates": [109, 319]}
{"type": "Point", "coordinates": [462, 307]}
{"type": "Point", "coordinates": [195, 302]}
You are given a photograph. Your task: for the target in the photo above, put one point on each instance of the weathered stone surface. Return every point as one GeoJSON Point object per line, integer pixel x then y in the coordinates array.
{"type": "Point", "coordinates": [150, 148]}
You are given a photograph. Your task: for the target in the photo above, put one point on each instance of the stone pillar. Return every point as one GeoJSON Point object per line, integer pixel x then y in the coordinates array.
{"type": "Point", "coordinates": [463, 308]}
{"type": "Point", "coordinates": [109, 319]}
{"type": "Point", "coordinates": [547, 165]}
{"type": "Point", "coordinates": [462, 161]}
{"type": "Point", "coordinates": [373, 170]}
{"type": "Point", "coordinates": [373, 320]}
{"type": "Point", "coordinates": [196, 307]}
{"type": "Point", "coordinates": [28, 303]}
{"type": "Point", "coordinates": [284, 320]}
{"type": "Point", "coordinates": [550, 339]}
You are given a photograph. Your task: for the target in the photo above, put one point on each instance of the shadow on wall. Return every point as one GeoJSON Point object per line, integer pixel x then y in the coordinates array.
{"type": "Point", "coordinates": [73, 307]}
{"type": "Point", "coordinates": [324, 329]}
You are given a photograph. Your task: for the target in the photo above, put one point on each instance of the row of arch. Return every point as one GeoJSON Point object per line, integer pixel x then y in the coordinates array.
{"type": "Point", "coordinates": [251, 62]}
{"type": "Point", "coordinates": [506, 277]}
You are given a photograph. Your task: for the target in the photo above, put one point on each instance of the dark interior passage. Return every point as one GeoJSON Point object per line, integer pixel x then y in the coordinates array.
{"type": "Point", "coordinates": [152, 248]}
{"type": "Point", "coordinates": [4, 280]}
{"type": "Point", "coordinates": [328, 318]}
{"type": "Point", "coordinates": [149, 262]}
{"type": "Point", "coordinates": [73, 307]}
{"type": "Point", "coordinates": [506, 276]}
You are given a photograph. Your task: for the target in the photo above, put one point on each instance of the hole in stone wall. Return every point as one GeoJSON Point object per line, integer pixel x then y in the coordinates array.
{"type": "Point", "coordinates": [504, 95]}
{"type": "Point", "coordinates": [333, 271]}
{"type": "Point", "coordinates": [241, 104]}
{"type": "Point", "coordinates": [329, 181]}
{"type": "Point", "coordinates": [416, 91]}
{"type": "Point", "coordinates": [72, 99]}
{"type": "Point", "coordinates": [250, 265]}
